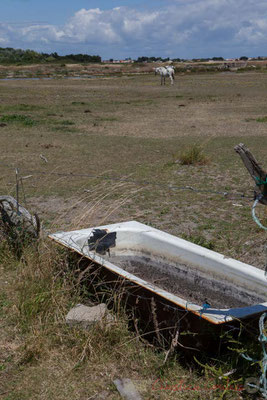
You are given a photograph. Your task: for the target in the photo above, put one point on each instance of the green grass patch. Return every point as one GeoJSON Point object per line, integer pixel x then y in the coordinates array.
{"type": "Point", "coordinates": [262, 119]}
{"type": "Point", "coordinates": [66, 122]}
{"type": "Point", "coordinates": [18, 118]}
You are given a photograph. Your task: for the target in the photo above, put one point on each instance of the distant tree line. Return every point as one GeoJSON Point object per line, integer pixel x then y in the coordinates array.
{"type": "Point", "coordinates": [9, 55]}
{"type": "Point", "coordinates": [151, 59]}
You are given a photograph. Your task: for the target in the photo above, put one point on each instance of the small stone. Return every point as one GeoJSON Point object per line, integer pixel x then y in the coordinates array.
{"type": "Point", "coordinates": [88, 316]}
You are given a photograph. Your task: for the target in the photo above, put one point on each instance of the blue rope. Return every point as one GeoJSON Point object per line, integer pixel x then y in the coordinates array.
{"type": "Point", "coordinates": [263, 340]}
{"type": "Point", "coordinates": [254, 216]}
{"type": "Point", "coordinates": [205, 306]}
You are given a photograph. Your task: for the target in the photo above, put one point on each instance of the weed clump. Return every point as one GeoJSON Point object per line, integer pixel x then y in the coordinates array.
{"type": "Point", "coordinates": [194, 155]}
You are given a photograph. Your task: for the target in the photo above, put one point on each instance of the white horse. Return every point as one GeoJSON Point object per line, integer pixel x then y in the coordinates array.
{"type": "Point", "coordinates": [170, 69]}
{"type": "Point", "coordinates": [165, 71]}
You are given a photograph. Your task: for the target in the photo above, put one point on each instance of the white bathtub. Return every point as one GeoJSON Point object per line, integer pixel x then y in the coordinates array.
{"type": "Point", "coordinates": [213, 275]}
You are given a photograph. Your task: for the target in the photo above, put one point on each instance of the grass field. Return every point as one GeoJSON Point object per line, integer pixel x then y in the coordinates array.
{"type": "Point", "coordinates": [109, 149]}
{"type": "Point", "coordinates": [134, 129]}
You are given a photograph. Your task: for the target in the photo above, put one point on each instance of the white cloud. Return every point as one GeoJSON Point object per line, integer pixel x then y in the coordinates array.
{"type": "Point", "coordinates": [92, 25]}
{"type": "Point", "coordinates": [185, 28]}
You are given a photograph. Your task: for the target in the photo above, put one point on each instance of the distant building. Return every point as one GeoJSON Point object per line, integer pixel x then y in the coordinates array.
{"type": "Point", "coordinates": [118, 61]}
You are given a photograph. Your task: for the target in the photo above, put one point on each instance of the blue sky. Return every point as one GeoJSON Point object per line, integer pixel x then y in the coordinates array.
{"type": "Point", "coordinates": [132, 28]}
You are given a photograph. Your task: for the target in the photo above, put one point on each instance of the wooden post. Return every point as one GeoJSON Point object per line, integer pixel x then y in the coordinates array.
{"type": "Point", "coordinates": [258, 174]}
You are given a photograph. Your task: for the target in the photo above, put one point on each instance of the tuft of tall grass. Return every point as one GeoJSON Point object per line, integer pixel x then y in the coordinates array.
{"type": "Point", "coordinates": [45, 287]}
{"type": "Point", "coordinates": [193, 155]}
{"type": "Point", "coordinates": [48, 283]}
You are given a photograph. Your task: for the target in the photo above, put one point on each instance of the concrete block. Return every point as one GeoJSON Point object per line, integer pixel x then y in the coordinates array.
{"type": "Point", "coordinates": [86, 317]}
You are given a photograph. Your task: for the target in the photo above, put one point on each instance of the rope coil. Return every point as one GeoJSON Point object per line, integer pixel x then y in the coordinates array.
{"type": "Point", "coordinates": [262, 387]}
{"type": "Point", "coordinates": [254, 216]}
